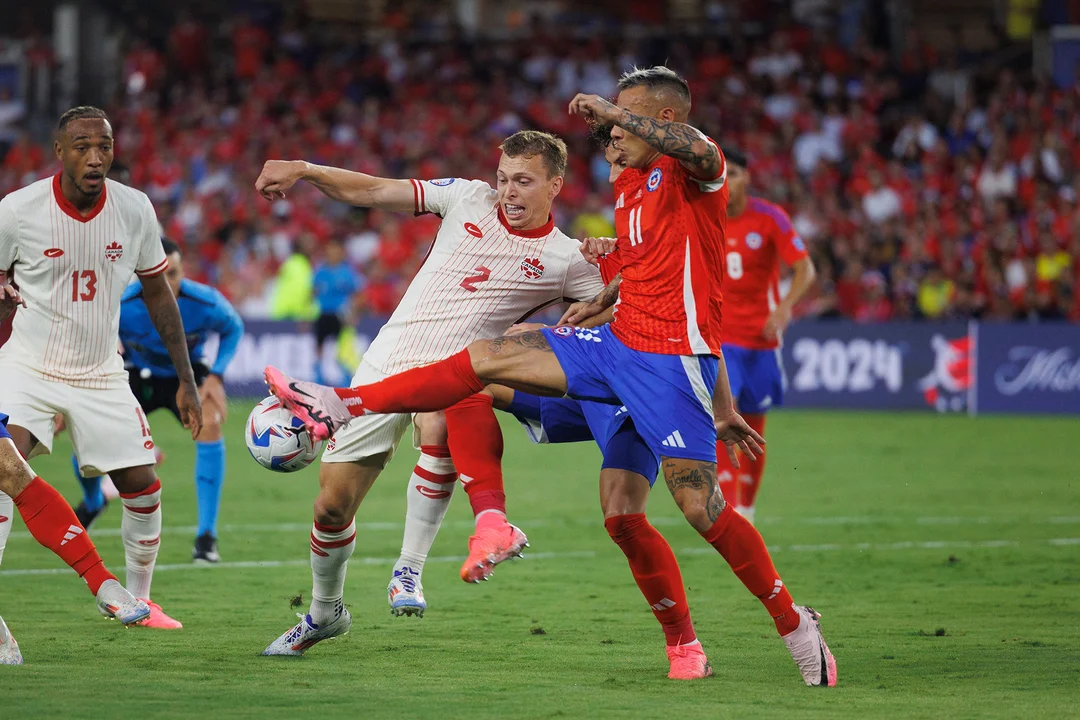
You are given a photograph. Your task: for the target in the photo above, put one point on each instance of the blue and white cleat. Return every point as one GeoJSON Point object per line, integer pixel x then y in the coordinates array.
{"type": "Point", "coordinates": [116, 603]}
{"type": "Point", "coordinates": [306, 633]}
{"type": "Point", "coordinates": [9, 649]}
{"type": "Point", "coordinates": [405, 593]}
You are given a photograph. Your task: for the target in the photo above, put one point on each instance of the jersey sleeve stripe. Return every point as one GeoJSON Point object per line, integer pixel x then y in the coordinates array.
{"type": "Point", "coordinates": [778, 216]}
{"type": "Point", "coordinates": [416, 195]}
{"type": "Point", "coordinates": [717, 182]}
{"type": "Point", "coordinates": [156, 270]}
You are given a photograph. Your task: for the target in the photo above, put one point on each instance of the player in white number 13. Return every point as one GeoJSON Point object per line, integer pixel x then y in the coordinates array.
{"type": "Point", "coordinates": [72, 243]}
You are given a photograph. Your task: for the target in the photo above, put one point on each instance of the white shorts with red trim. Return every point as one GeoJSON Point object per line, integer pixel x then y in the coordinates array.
{"type": "Point", "coordinates": [368, 435]}
{"type": "Point", "coordinates": [108, 428]}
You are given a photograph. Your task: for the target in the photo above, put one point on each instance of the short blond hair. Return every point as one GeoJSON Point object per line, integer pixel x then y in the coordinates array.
{"type": "Point", "coordinates": [530, 143]}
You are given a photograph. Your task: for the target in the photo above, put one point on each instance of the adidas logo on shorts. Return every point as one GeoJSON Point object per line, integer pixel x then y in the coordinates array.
{"type": "Point", "coordinates": [674, 440]}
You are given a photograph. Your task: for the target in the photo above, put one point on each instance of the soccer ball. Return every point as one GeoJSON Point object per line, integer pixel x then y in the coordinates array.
{"type": "Point", "coordinates": [277, 439]}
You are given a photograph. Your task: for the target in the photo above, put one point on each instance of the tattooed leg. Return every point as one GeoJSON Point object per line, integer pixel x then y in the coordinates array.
{"type": "Point", "coordinates": [523, 362]}
{"type": "Point", "coordinates": [693, 485]}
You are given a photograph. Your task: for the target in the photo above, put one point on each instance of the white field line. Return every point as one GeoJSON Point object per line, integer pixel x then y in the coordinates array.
{"type": "Point", "coordinates": [585, 554]}
{"type": "Point", "coordinates": [549, 522]}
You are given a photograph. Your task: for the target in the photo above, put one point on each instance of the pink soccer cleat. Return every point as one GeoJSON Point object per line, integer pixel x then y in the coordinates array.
{"type": "Point", "coordinates": [158, 619]}
{"type": "Point", "coordinates": [490, 546]}
{"type": "Point", "coordinates": [317, 406]}
{"type": "Point", "coordinates": [688, 662]}
{"type": "Point", "coordinates": [807, 647]}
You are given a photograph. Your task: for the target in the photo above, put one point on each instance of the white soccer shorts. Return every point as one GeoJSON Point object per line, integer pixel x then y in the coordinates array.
{"type": "Point", "coordinates": [367, 435]}
{"type": "Point", "coordinates": [108, 428]}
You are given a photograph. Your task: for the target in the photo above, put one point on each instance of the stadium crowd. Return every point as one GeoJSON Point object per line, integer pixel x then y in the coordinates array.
{"type": "Point", "coordinates": [922, 190]}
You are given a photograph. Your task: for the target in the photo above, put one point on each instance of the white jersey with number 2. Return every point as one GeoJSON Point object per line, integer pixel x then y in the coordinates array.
{"type": "Point", "coordinates": [72, 270]}
{"type": "Point", "coordinates": [480, 277]}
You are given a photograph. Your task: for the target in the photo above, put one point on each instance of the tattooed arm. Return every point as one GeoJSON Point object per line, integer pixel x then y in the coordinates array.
{"type": "Point", "coordinates": [683, 142]}
{"type": "Point", "coordinates": [165, 314]}
{"type": "Point", "coordinates": [580, 312]}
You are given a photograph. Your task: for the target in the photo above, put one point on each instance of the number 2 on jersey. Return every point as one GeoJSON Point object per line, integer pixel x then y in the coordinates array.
{"type": "Point", "coordinates": [83, 285]}
{"type": "Point", "coordinates": [482, 274]}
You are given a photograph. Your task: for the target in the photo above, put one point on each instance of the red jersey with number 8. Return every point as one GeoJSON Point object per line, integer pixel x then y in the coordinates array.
{"type": "Point", "coordinates": [757, 242]}
{"type": "Point", "coordinates": [671, 240]}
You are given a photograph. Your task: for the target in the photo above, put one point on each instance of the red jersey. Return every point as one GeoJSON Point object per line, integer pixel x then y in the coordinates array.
{"type": "Point", "coordinates": [757, 241]}
{"type": "Point", "coordinates": [610, 265]}
{"type": "Point", "coordinates": [671, 238]}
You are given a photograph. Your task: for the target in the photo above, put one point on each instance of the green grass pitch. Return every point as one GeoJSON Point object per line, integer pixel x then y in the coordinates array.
{"type": "Point", "coordinates": [943, 553]}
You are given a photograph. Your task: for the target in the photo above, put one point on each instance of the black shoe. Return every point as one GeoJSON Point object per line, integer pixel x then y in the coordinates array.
{"type": "Point", "coordinates": [205, 549]}
{"type": "Point", "coordinates": [86, 517]}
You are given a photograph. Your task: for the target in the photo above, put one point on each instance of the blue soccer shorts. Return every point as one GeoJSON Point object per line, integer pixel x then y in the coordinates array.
{"type": "Point", "coordinates": [756, 378]}
{"type": "Point", "coordinates": [3, 427]}
{"type": "Point", "coordinates": [563, 420]}
{"type": "Point", "coordinates": [668, 396]}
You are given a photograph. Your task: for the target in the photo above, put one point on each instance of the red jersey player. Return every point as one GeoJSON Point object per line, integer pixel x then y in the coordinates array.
{"type": "Point", "coordinates": [759, 238]}
{"type": "Point", "coordinates": [660, 356]}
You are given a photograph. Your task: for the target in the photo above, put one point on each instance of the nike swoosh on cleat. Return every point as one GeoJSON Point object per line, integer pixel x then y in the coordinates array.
{"type": "Point", "coordinates": [296, 389]}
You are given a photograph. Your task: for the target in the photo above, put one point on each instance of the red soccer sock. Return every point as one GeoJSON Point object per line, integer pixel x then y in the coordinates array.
{"type": "Point", "coordinates": [423, 389]}
{"type": "Point", "coordinates": [476, 446]}
{"type": "Point", "coordinates": [52, 522]}
{"type": "Point", "coordinates": [727, 476]}
{"type": "Point", "coordinates": [752, 470]}
{"type": "Point", "coordinates": [656, 572]}
{"type": "Point", "coordinates": [741, 545]}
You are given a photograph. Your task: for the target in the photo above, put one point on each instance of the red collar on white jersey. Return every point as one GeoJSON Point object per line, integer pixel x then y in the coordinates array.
{"type": "Point", "coordinates": [70, 209]}
{"type": "Point", "coordinates": [539, 232]}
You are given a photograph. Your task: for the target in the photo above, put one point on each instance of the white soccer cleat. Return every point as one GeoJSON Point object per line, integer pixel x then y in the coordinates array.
{"type": "Point", "coordinates": [317, 406]}
{"type": "Point", "coordinates": [9, 649]}
{"type": "Point", "coordinates": [116, 603]}
{"type": "Point", "coordinates": [306, 633]}
{"type": "Point", "coordinates": [747, 511]}
{"type": "Point", "coordinates": [405, 593]}
{"type": "Point", "coordinates": [808, 649]}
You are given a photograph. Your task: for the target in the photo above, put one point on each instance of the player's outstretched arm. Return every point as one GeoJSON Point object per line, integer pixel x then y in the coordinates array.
{"type": "Point", "coordinates": [345, 186]}
{"type": "Point", "coordinates": [165, 314]}
{"type": "Point", "coordinates": [683, 142]}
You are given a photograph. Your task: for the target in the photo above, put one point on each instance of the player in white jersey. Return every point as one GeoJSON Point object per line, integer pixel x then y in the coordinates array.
{"type": "Point", "coordinates": [72, 243]}
{"type": "Point", "coordinates": [496, 259]}
{"type": "Point", "coordinates": [53, 523]}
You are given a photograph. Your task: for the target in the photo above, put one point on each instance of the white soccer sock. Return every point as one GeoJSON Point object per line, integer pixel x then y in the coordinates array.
{"type": "Point", "coordinates": [141, 531]}
{"type": "Point", "coordinates": [7, 513]}
{"type": "Point", "coordinates": [431, 488]}
{"type": "Point", "coordinates": [331, 548]}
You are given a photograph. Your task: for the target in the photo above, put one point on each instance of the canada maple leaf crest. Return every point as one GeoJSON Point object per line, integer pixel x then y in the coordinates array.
{"type": "Point", "coordinates": [113, 251]}
{"type": "Point", "coordinates": [531, 268]}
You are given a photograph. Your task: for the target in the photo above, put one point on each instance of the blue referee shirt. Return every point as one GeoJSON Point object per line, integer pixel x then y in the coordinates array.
{"type": "Point", "coordinates": [333, 286]}
{"type": "Point", "coordinates": [204, 311]}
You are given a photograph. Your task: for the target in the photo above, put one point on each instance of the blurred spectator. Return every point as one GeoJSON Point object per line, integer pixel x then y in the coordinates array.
{"type": "Point", "coordinates": [998, 176]}
{"type": "Point", "coordinates": [936, 294]}
{"type": "Point", "coordinates": [874, 305]}
{"type": "Point", "coordinates": [12, 111]}
{"type": "Point", "coordinates": [882, 202]}
{"type": "Point", "coordinates": [293, 298]}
